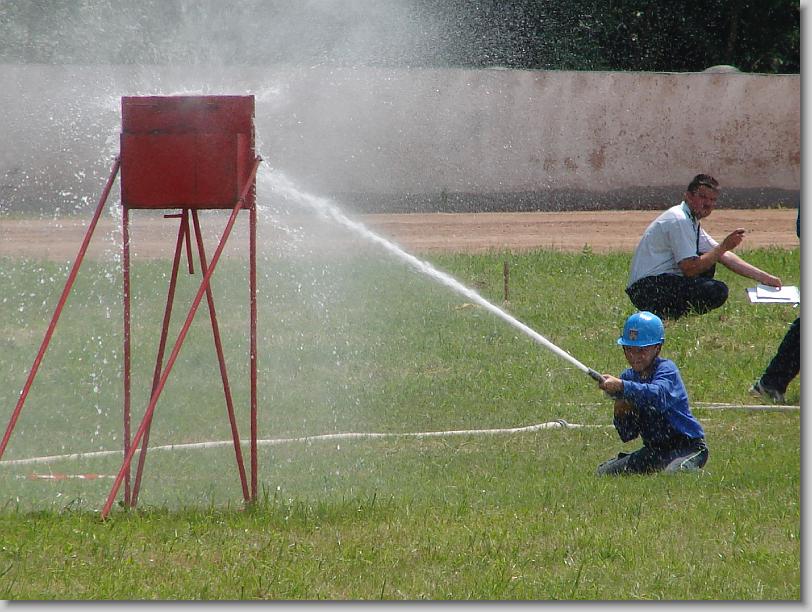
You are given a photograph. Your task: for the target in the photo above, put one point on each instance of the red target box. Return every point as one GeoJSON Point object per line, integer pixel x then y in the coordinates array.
{"type": "Point", "coordinates": [186, 151]}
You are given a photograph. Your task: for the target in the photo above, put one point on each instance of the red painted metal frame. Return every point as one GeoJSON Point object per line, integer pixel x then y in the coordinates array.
{"type": "Point", "coordinates": [203, 289]}
{"type": "Point", "coordinates": [221, 359]}
{"type": "Point", "coordinates": [183, 236]}
{"type": "Point", "coordinates": [170, 299]}
{"type": "Point", "coordinates": [59, 306]}
{"type": "Point", "coordinates": [125, 268]}
{"type": "Point", "coordinates": [252, 281]}
{"type": "Point", "coordinates": [244, 150]}
{"type": "Point", "coordinates": [131, 444]}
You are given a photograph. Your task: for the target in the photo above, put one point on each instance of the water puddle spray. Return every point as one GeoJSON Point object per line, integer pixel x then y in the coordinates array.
{"type": "Point", "coordinates": [279, 184]}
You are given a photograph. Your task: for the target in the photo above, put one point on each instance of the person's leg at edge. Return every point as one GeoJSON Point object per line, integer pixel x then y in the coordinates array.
{"type": "Point", "coordinates": [786, 364]}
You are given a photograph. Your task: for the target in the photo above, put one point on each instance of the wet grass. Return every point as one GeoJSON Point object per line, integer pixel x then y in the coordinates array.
{"type": "Point", "coordinates": [362, 344]}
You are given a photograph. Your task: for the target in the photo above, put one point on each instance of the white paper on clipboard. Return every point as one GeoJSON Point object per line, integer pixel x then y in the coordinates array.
{"type": "Point", "coordinates": [764, 294]}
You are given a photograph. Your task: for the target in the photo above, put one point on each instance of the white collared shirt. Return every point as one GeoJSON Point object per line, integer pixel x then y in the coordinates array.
{"type": "Point", "coordinates": [670, 238]}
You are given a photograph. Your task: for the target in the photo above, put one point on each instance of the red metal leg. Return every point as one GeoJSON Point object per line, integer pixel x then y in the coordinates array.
{"type": "Point", "coordinates": [253, 291]}
{"type": "Point", "coordinates": [218, 345]}
{"type": "Point", "coordinates": [183, 233]}
{"type": "Point", "coordinates": [59, 306]}
{"type": "Point", "coordinates": [188, 242]}
{"type": "Point", "coordinates": [172, 358]}
{"type": "Point", "coordinates": [125, 268]}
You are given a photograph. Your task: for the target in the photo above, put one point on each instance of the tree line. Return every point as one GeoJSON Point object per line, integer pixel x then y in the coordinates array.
{"type": "Point", "coordinates": [636, 35]}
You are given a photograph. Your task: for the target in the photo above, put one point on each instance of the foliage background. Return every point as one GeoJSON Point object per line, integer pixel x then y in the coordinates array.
{"type": "Point", "coordinates": [673, 35]}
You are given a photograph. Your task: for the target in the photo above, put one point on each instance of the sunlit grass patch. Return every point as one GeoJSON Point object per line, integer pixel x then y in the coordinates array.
{"type": "Point", "coordinates": [366, 345]}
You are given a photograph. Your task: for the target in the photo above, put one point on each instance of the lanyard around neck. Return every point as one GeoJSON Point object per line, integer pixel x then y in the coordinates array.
{"type": "Point", "coordinates": [693, 219]}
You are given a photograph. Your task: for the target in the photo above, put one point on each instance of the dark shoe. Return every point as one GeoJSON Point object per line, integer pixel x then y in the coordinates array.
{"type": "Point", "coordinates": [772, 394]}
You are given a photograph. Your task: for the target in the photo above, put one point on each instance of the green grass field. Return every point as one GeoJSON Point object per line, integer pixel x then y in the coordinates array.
{"type": "Point", "coordinates": [361, 343]}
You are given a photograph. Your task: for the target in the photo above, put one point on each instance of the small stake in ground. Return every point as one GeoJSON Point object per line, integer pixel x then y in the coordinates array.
{"type": "Point", "coordinates": [506, 275]}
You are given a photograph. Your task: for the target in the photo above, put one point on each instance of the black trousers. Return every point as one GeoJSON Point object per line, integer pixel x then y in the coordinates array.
{"type": "Point", "coordinates": [671, 296]}
{"type": "Point", "coordinates": [688, 456]}
{"type": "Point", "coordinates": [786, 363]}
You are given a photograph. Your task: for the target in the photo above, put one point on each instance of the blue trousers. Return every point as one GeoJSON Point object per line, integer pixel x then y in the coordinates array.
{"type": "Point", "coordinates": [691, 456]}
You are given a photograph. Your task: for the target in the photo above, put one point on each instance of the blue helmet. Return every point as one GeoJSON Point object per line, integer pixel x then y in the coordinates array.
{"type": "Point", "coordinates": [642, 329]}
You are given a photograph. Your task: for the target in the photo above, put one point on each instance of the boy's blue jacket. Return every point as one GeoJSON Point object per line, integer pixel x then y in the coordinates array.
{"type": "Point", "coordinates": [661, 413]}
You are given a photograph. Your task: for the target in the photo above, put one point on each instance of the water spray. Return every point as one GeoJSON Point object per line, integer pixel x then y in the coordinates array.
{"type": "Point", "coordinates": [284, 187]}
{"type": "Point", "coordinates": [189, 153]}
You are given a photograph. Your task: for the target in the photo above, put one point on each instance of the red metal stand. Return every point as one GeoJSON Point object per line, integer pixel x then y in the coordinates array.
{"type": "Point", "coordinates": [198, 149]}
{"type": "Point", "coordinates": [158, 383]}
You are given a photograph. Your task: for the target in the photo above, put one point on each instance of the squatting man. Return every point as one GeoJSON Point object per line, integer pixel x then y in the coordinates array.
{"type": "Point", "coordinates": [674, 263]}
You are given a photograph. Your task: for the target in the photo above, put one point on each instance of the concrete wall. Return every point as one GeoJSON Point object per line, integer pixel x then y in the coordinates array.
{"type": "Point", "coordinates": [447, 140]}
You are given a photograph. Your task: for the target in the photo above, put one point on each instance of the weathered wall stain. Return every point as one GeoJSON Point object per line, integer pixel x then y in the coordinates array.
{"type": "Point", "coordinates": [396, 139]}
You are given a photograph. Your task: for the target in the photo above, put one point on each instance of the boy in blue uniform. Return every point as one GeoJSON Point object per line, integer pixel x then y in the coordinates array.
{"type": "Point", "coordinates": [651, 402]}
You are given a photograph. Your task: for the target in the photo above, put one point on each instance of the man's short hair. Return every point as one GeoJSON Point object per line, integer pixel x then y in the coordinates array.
{"type": "Point", "coordinates": [703, 180]}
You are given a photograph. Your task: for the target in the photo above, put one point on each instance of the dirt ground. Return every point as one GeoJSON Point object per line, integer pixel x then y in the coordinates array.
{"type": "Point", "coordinates": [569, 231]}
{"type": "Point", "coordinates": [152, 236]}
